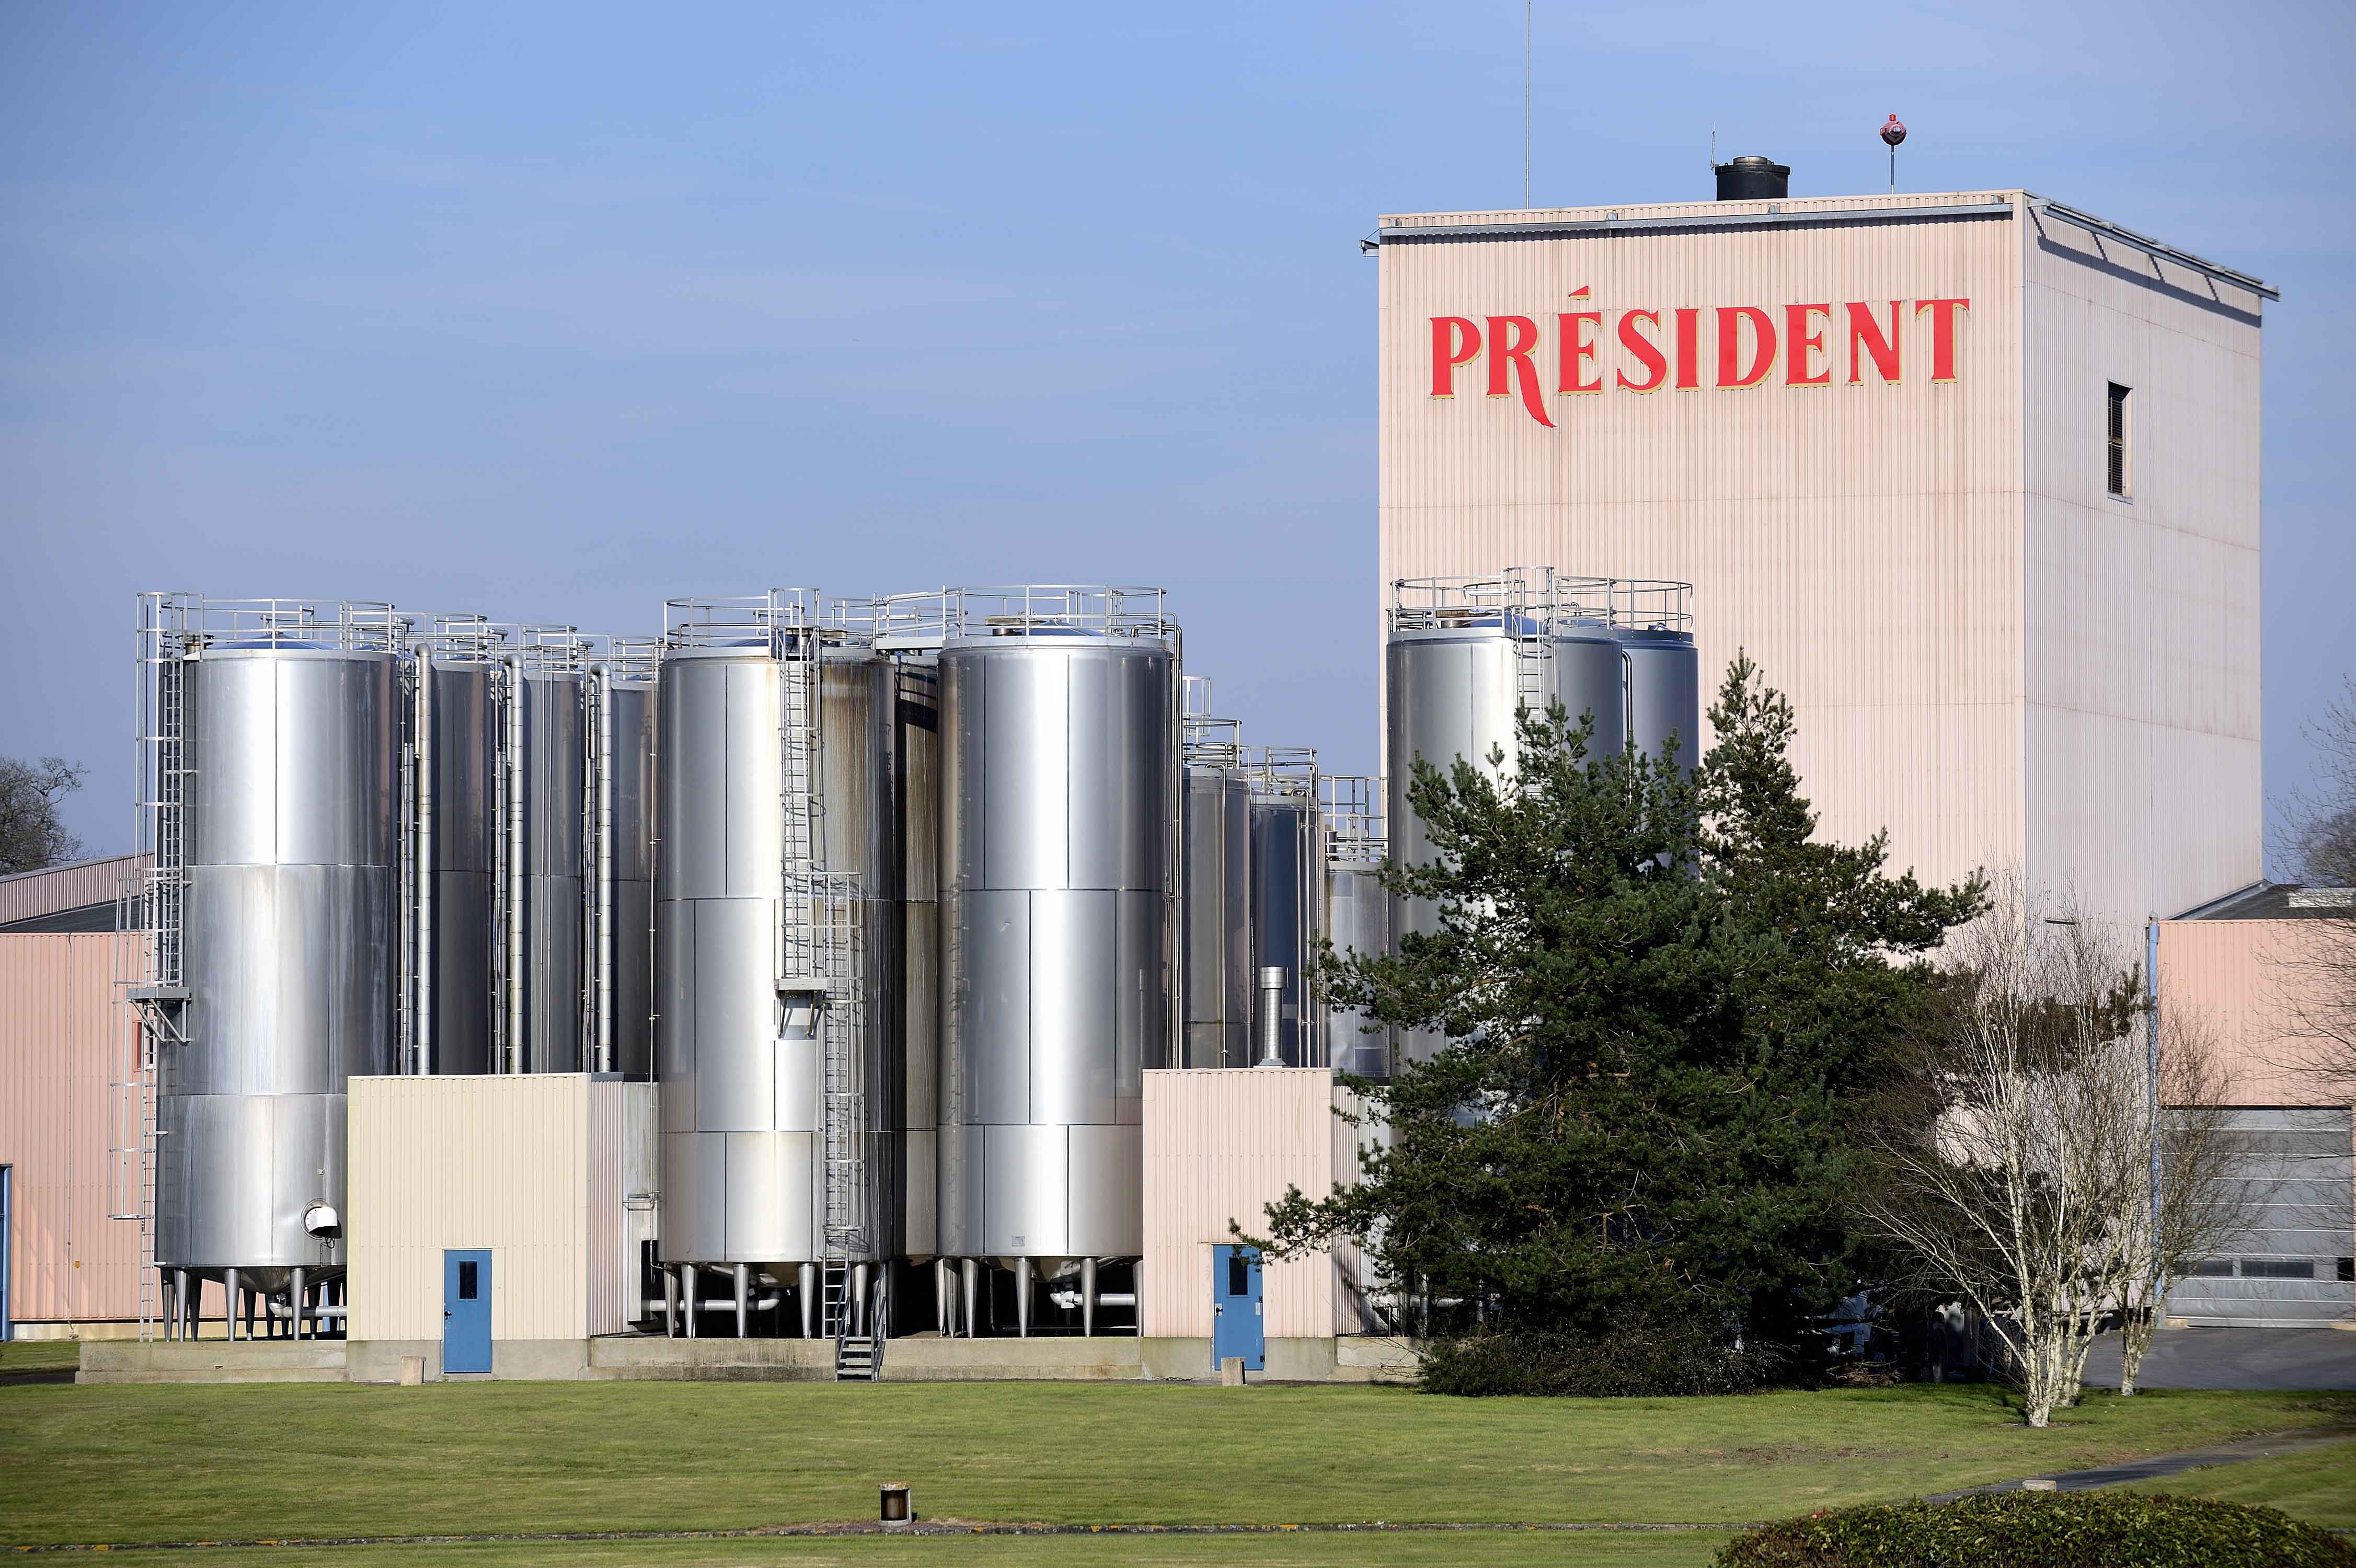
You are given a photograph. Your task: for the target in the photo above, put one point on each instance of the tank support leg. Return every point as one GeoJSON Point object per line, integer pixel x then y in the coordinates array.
{"type": "Point", "coordinates": [743, 1296]}
{"type": "Point", "coordinates": [180, 1304]}
{"type": "Point", "coordinates": [296, 1301]}
{"type": "Point", "coordinates": [670, 1305]}
{"type": "Point", "coordinates": [230, 1302]}
{"type": "Point", "coordinates": [941, 1297]}
{"type": "Point", "coordinates": [687, 1289]}
{"type": "Point", "coordinates": [1088, 1297]}
{"type": "Point", "coordinates": [972, 1272]}
{"type": "Point", "coordinates": [1023, 1298]}
{"type": "Point", "coordinates": [806, 1287]}
{"type": "Point", "coordinates": [858, 1298]}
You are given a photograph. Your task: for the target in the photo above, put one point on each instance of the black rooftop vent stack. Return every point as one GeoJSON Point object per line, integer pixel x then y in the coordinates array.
{"type": "Point", "coordinates": [1753, 179]}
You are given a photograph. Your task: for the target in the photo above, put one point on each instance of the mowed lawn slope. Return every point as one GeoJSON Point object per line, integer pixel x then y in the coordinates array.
{"type": "Point", "coordinates": [130, 1463]}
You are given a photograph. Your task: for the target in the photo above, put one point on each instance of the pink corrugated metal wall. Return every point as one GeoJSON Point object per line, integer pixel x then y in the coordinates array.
{"type": "Point", "coordinates": [30, 893]}
{"type": "Point", "coordinates": [2240, 982]}
{"type": "Point", "coordinates": [1219, 1146]}
{"type": "Point", "coordinates": [64, 1039]}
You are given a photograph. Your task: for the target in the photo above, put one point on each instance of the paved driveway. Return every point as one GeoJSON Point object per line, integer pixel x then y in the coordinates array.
{"type": "Point", "coordinates": [2236, 1359]}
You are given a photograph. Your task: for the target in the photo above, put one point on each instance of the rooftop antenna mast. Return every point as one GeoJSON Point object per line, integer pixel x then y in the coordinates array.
{"type": "Point", "coordinates": [1893, 134]}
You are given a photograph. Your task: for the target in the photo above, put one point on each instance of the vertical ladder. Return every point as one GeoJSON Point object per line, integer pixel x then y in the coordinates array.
{"type": "Point", "coordinates": [1532, 660]}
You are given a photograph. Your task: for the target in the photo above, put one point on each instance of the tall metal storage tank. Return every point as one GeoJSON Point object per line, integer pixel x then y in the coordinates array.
{"type": "Point", "coordinates": [1654, 623]}
{"type": "Point", "coordinates": [1462, 657]}
{"type": "Point", "coordinates": [547, 797]}
{"type": "Point", "coordinates": [918, 758]}
{"type": "Point", "coordinates": [1060, 737]}
{"type": "Point", "coordinates": [456, 678]}
{"type": "Point", "coordinates": [623, 941]}
{"type": "Point", "coordinates": [287, 731]}
{"type": "Point", "coordinates": [1215, 908]}
{"type": "Point", "coordinates": [772, 887]}
{"type": "Point", "coordinates": [1288, 893]}
{"type": "Point", "coordinates": [1357, 911]}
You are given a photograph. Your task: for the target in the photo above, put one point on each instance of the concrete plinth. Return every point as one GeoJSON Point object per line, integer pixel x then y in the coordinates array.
{"type": "Point", "coordinates": [212, 1362]}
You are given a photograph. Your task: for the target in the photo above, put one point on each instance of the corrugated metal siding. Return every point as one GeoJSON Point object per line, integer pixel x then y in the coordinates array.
{"type": "Point", "coordinates": [497, 1162]}
{"type": "Point", "coordinates": [1219, 1146]}
{"type": "Point", "coordinates": [64, 1039]}
{"type": "Point", "coordinates": [2240, 982]}
{"type": "Point", "coordinates": [29, 893]}
{"type": "Point", "coordinates": [612, 1268]}
{"type": "Point", "coordinates": [2143, 765]}
{"type": "Point", "coordinates": [1862, 543]}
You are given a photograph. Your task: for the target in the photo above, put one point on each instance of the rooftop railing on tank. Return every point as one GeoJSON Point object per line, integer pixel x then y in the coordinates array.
{"type": "Point", "coordinates": [1281, 770]}
{"type": "Point", "coordinates": [1523, 599]}
{"type": "Point", "coordinates": [1034, 610]}
{"type": "Point", "coordinates": [1638, 605]}
{"type": "Point", "coordinates": [1355, 830]}
{"type": "Point", "coordinates": [349, 625]}
{"type": "Point", "coordinates": [776, 618]}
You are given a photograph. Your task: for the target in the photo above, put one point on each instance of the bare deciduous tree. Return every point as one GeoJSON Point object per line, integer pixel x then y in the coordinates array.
{"type": "Point", "coordinates": [32, 833]}
{"type": "Point", "coordinates": [2314, 957]}
{"type": "Point", "coordinates": [2015, 1153]}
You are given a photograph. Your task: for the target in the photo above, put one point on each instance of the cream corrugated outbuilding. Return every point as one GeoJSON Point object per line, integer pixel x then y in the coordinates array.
{"type": "Point", "coordinates": [1874, 433]}
{"type": "Point", "coordinates": [1220, 1144]}
{"type": "Point", "coordinates": [528, 1167]}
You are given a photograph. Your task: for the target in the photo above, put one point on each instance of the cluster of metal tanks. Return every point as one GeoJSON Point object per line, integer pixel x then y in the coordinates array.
{"type": "Point", "coordinates": [380, 843]}
{"type": "Point", "coordinates": [1465, 656]}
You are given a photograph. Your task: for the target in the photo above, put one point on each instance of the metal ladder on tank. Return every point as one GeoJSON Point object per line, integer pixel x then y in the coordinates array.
{"type": "Point", "coordinates": [1533, 664]}
{"type": "Point", "coordinates": [820, 959]}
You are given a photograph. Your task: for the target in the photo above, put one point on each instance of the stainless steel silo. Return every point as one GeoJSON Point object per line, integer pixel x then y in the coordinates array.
{"type": "Point", "coordinates": [454, 677]}
{"type": "Point", "coordinates": [543, 853]}
{"type": "Point", "coordinates": [1357, 911]}
{"type": "Point", "coordinates": [1216, 904]}
{"type": "Point", "coordinates": [916, 716]}
{"type": "Point", "coordinates": [275, 740]}
{"type": "Point", "coordinates": [621, 816]}
{"type": "Point", "coordinates": [1654, 623]}
{"type": "Point", "coordinates": [1287, 895]}
{"type": "Point", "coordinates": [1059, 724]}
{"type": "Point", "coordinates": [774, 970]}
{"type": "Point", "coordinates": [1465, 656]}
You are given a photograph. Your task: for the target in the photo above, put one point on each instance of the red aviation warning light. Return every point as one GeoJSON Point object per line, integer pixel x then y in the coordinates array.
{"type": "Point", "coordinates": [1893, 134]}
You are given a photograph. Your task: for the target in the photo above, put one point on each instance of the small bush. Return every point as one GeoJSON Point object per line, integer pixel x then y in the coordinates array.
{"type": "Point", "coordinates": [2042, 1530]}
{"type": "Point", "coordinates": [1633, 1361]}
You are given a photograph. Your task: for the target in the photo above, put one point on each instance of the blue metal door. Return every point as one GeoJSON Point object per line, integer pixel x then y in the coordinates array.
{"type": "Point", "coordinates": [467, 1311]}
{"type": "Point", "coordinates": [1235, 1322]}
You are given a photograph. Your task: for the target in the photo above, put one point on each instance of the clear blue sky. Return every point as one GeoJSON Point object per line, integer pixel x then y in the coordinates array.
{"type": "Point", "coordinates": [551, 311]}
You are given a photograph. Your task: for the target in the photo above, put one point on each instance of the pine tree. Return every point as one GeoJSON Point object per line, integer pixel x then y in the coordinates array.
{"type": "Point", "coordinates": [1661, 996]}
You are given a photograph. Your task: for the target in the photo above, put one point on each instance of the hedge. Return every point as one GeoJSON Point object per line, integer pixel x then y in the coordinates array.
{"type": "Point", "coordinates": [2042, 1530]}
{"type": "Point", "coordinates": [1636, 1362]}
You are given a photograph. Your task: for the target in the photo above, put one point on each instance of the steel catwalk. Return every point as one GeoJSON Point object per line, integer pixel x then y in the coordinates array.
{"type": "Point", "coordinates": [1058, 772]}
{"type": "Point", "coordinates": [292, 942]}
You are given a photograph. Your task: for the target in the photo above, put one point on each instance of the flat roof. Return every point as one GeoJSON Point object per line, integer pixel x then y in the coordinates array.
{"type": "Point", "coordinates": [1796, 211]}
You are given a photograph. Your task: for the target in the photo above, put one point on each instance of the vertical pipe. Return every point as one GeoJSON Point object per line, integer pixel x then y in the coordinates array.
{"type": "Point", "coordinates": [422, 1058]}
{"type": "Point", "coordinates": [294, 1300]}
{"type": "Point", "coordinates": [513, 830]}
{"type": "Point", "coordinates": [230, 1302]}
{"type": "Point", "coordinates": [687, 1289]}
{"type": "Point", "coordinates": [1023, 1298]}
{"type": "Point", "coordinates": [972, 1272]}
{"type": "Point", "coordinates": [601, 678]}
{"type": "Point", "coordinates": [1088, 1298]}
{"type": "Point", "coordinates": [806, 1287]}
{"type": "Point", "coordinates": [1271, 1022]}
{"type": "Point", "coordinates": [743, 1296]}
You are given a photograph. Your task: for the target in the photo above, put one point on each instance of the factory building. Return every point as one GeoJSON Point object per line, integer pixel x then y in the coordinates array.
{"type": "Point", "coordinates": [917, 985]}
{"type": "Point", "coordinates": [1972, 476]}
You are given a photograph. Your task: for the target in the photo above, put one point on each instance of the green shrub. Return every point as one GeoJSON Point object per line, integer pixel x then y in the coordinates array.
{"type": "Point", "coordinates": [1632, 1361]}
{"type": "Point", "coordinates": [2042, 1530]}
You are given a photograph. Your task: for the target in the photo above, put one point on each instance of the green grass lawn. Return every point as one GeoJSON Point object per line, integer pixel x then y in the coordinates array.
{"type": "Point", "coordinates": [178, 1462]}
{"type": "Point", "coordinates": [2319, 1487]}
{"type": "Point", "coordinates": [39, 1355]}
